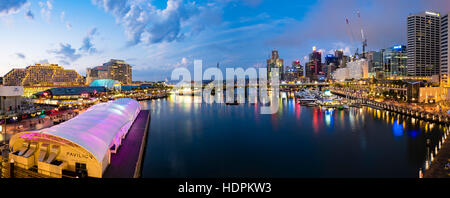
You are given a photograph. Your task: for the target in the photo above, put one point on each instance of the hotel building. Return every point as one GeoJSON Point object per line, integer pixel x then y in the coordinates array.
{"type": "Point", "coordinates": [43, 75]}
{"type": "Point", "coordinates": [423, 44]}
{"type": "Point", "coordinates": [114, 69]}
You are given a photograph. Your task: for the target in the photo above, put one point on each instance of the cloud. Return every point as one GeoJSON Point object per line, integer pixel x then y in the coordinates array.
{"type": "Point", "coordinates": [66, 53]}
{"type": "Point", "coordinates": [252, 3]}
{"type": "Point", "coordinates": [46, 9]}
{"type": "Point", "coordinates": [8, 7]}
{"type": "Point", "coordinates": [68, 25]}
{"type": "Point", "coordinates": [62, 17]}
{"type": "Point", "coordinates": [21, 55]}
{"type": "Point", "coordinates": [29, 15]}
{"type": "Point", "coordinates": [145, 23]}
{"type": "Point", "coordinates": [88, 46]}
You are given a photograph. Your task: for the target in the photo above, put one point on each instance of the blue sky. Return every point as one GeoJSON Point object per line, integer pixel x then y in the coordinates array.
{"type": "Point", "coordinates": [156, 36]}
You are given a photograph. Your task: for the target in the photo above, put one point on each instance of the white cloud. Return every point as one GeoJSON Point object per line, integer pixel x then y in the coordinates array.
{"type": "Point", "coordinates": [144, 23]}
{"type": "Point", "coordinates": [88, 46]}
{"type": "Point", "coordinates": [68, 25]}
{"type": "Point", "coordinates": [46, 9]}
{"type": "Point", "coordinates": [8, 7]}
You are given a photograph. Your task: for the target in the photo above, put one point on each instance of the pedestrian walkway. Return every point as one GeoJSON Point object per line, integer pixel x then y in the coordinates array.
{"type": "Point", "coordinates": [126, 162]}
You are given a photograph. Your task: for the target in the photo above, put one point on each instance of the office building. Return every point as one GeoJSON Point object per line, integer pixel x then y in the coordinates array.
{"type": "Point", "coordinates": [423, 44]}
{"type": "Point", "coordinates": [313, 67]}
{"type": "Point", "coordinates": [445, 72]}
{"type": "Point", "coordinates": [275, 63]}
{"type": "Point", "coordinates": [375, 60]}
{"type": "Point", "coordinates": [395, 60]}
{"type": "Point", "coordinates": [295, 72]}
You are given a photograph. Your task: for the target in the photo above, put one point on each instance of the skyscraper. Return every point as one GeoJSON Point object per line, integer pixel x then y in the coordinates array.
{"type": "Point", "coordinates": [395, 61]}
{"type": "Point", "coordinates": [375, 60]}
{"type": "Point", "coordinates": [275, 62]}
{"type": "Point", "coordinates": [423, 44]}
{"type": "Point", "coordinates": [445, 72]}
{"type": "Point", "coordinates": [314, 66]}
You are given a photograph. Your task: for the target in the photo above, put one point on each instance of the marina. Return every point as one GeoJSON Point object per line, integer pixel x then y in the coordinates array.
{"type": "Point", "coordinates": [358, 142]}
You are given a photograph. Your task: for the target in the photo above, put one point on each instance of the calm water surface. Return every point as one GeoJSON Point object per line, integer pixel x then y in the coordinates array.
{"type": "Point", "coordinates": [217, 140]}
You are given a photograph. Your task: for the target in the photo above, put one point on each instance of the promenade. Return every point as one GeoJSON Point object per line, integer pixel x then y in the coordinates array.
{"type": "Point", "coordinates": [438, 167]}
{"type": "Point", "coordinates": [127, 161]}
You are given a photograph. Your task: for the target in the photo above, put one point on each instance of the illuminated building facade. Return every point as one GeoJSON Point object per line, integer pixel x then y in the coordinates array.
{"type": "Point", "coordinates": [43, 75]}
{"type": "Point", "coordinates": [275, 63]}
{"type": "Point", "coordinates": [423, 44]}
{"type": "Point", "coordinates": [445, 54]}
{"type": "Point", "coordinates": [395, 61]}
{"type": "Point", "coordinates": [295, 72]}
{"type": "Point", "coordinates": [55, 151]}
{"type": "Point", "coordinates": [114, 69]}
{"type": "Point", "coordinates": [355, 70]}
{"type": "Point", "coordinates": [375, 62]}
{"type": "Point", "coordinates": [314, 66]}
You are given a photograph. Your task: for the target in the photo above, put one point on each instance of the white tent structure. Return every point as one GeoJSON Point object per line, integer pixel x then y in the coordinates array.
{"type": "Point", "coordinates": [86, 140]}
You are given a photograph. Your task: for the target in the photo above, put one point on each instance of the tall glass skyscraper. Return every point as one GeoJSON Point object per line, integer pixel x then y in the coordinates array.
{"type": "Point", "coordinates": [395, 61]}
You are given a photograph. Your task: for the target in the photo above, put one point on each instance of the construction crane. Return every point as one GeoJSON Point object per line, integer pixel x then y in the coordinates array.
{"type": "Point", "coordinates": [363, 38]}
{"type": "Point", "coordinates": [352, 36]}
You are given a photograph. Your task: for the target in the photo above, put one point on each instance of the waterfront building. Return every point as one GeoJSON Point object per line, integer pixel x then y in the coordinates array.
{"type": "Point", "coordinates": [314, 66]}
{"type": "Point", "coordinates": [294, 73]}
{"type": "Point", "coordinates": [114, 69]}
{"type": "Point", "coordinates": [81, 146]}
{"type": "Point", "coordinates": [70, 96]}
{"type": "Point", "coordinates": [445, 53]}
{"type": "Point", "coordinates": [395, 61]}
{"type": "Point", "coordinates": [433, 94]}
{"type": "Point", "coordinates": [356, 70]}
{"type": "Point", "coordinates": [107, 83]}
{"type": "Point", "coordinates": [43, 74]}
{"type": "Point", "coordinates": [423, 44]}
{"type": "Point", "coordinates": [275, 62]}
{"type": "Point", "coordinates": [11, 98]}
{"type": "Point", "coordinates": [375, 60]}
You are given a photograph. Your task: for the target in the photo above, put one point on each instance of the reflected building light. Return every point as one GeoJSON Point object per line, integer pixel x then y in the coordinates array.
{"type": "Point", "coordinates": [397, 129]}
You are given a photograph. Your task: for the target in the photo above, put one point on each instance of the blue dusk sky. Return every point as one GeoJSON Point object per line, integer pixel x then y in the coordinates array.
{"type": "Point", "coordinates": [156, 36]}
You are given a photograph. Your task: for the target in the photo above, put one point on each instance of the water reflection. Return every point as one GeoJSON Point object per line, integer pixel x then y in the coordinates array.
{"type": "Point", "coordinates": [205, 140]}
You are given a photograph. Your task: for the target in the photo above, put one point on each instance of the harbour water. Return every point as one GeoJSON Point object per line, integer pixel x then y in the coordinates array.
{"type": "Point", "coordinates": [218, 140]}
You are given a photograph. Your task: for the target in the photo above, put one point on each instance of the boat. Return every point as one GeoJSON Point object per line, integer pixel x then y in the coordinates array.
{"type": "Point", "coordinates": [311, 104]}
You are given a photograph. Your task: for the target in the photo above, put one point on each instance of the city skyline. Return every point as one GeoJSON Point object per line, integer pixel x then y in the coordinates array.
{"type": "Point", "coordinates": [158, 37]}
